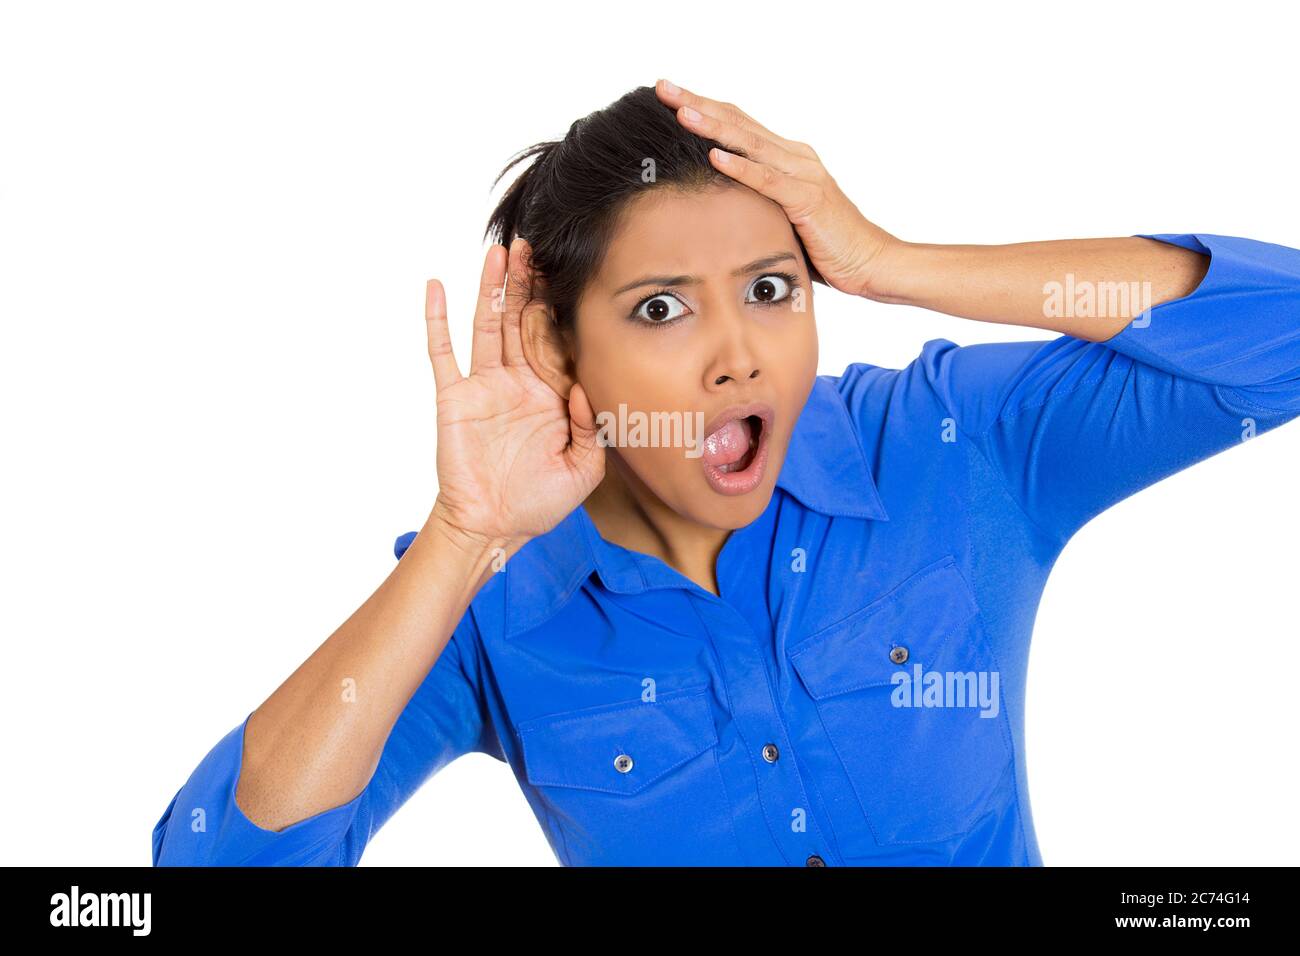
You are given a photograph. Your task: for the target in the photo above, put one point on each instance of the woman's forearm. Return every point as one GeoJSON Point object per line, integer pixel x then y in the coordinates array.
{"type": "Point", "coordinates": [315, 742]}
{"type": "Point", "coordinates": [1088, 288]}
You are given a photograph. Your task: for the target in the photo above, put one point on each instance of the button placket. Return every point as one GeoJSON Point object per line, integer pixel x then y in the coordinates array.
{"type": "Point", "coordinates": [780, 787]}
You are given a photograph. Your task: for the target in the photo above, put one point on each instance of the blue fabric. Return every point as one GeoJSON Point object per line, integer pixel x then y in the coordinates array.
{"type": "Point", "coordinates": [914, 524]}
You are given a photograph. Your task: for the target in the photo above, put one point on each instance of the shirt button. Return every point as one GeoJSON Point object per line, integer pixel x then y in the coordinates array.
{"type": "Point", "coordinates": [622, 763]}
{"type": "Point", "coordinates": [898, 655]}
{"type": "Point", "coordinates": [815, 860]}
{"type": "Point", "coordinates": [770, 753]}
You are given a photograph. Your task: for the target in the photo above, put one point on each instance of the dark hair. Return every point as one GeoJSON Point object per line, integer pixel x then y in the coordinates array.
{"type": "Point", "coordinates": [567, 204]}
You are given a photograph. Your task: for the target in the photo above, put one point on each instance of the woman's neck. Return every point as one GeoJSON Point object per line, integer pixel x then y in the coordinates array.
{"type": "Point", "coordinates": [627, 513]}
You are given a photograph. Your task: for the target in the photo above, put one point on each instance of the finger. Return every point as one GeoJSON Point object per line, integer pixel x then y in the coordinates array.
{"type": "Point", "coordinates": [519, 286]}
{"type": "Point", "coordinates": [754, 144]}
{"type": "Point", "coordinates": [782, 188]}
{"type": "Point", "coordinates": [728, 113]}
{"type": "Point", "coordinates": [445, 370]}
{"type": "Point", "coordinates": [486, 351]}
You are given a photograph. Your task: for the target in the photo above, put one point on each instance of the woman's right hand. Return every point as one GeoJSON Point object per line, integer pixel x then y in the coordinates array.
{"type": "Point", "coordinates": [514, 457]}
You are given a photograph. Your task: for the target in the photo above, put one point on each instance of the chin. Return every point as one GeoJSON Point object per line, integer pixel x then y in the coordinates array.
{"type": "Point", "coordinates": [729, 512]}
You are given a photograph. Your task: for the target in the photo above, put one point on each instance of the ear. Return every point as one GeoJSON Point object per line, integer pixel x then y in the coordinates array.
{"type": "Point", "coordinates": [546, 348]}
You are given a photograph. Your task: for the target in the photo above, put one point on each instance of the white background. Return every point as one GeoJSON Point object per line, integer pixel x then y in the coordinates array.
{"type": "Point", "coordinates": [216, 223]}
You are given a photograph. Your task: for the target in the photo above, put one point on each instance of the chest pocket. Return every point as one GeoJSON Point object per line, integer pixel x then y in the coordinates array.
{"type": "Point", "coordinates": [633, 783]}
{"type": "Point", "coordinates": [924, 761]}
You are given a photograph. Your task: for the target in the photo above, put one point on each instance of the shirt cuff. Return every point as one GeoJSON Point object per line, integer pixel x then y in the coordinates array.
{"type": "Point", "coordinates": [227, 837]}
{"type": "Point", "coordinates": [1239, 328]}
{"type": "Point", "coordinates": [402, 542]}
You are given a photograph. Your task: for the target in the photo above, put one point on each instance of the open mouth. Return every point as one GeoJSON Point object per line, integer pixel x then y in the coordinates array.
{"type": "Point", "coordinates": [748, 430]}
{"type": "Point", "coordinates": [735, 449]}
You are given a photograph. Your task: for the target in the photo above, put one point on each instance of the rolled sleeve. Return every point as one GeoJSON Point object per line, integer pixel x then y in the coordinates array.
{"type": "Point", "coordinates": [1239, 329]}
{"type": "Point", "coordinates": [204, 826]}
{"type": "Point", "coordinates": [1073, 426]}
{"type": "Point", "coordinates": [445, 718]}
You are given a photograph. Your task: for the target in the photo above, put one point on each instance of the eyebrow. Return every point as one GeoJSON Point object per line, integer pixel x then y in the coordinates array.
{"type": "Point", "coordinates": [766, 262]}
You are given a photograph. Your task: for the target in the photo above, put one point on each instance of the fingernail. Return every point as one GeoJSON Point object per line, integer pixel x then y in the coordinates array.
{"type": "Point", "coordinates": [690, 114]}
{"type": "Point", "coordinates": [670, 86]}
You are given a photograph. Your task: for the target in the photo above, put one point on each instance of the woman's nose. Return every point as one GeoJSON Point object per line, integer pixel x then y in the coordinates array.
{"type": "Point", "coordinates": [724, 378]}
{"type": "Point", "coordinates": [735, 357]}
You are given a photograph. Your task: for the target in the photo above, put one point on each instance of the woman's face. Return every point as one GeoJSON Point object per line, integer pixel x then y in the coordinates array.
{"type": "Point", "coordinates": [702, 307]}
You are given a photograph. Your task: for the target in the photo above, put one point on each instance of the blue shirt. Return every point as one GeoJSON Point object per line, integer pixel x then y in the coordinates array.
{"type": "Point", "coordinates": [899, 562]}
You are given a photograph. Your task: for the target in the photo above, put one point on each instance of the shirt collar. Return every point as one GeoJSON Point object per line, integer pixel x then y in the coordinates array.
{"type": "Point", "coordinates": [825, 468]}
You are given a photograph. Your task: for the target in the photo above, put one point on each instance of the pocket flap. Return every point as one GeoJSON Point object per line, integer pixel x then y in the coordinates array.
{"type": "Point", "coordinates": [619, 748]}
{"type": "Point", "coordinates": [918, 615]}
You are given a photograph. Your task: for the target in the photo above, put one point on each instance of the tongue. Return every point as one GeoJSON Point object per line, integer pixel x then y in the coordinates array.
{"type": "Point", "coordinates": [729, 443]}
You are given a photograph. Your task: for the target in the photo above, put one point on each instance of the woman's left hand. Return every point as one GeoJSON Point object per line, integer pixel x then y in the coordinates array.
{"type": "Point", "coordinates": [844, 246]}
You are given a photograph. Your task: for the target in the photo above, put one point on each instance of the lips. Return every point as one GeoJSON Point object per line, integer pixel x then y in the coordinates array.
{"type": "Point", "coordinates": [735, 448]}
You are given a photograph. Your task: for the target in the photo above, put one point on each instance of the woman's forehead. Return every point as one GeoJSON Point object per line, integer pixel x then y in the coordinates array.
{"type": "Point", "coordinates": [698, 232]}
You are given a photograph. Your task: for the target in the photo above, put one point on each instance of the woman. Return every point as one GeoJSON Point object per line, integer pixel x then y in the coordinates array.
{"type": "Point", "coordinates": [798, 634]}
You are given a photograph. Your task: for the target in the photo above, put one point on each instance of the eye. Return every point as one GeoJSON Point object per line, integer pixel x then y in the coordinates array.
{"type": "Point", "coordinates": [657, 308]}
{"type": "Point", "coordinates": [768, 288]}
